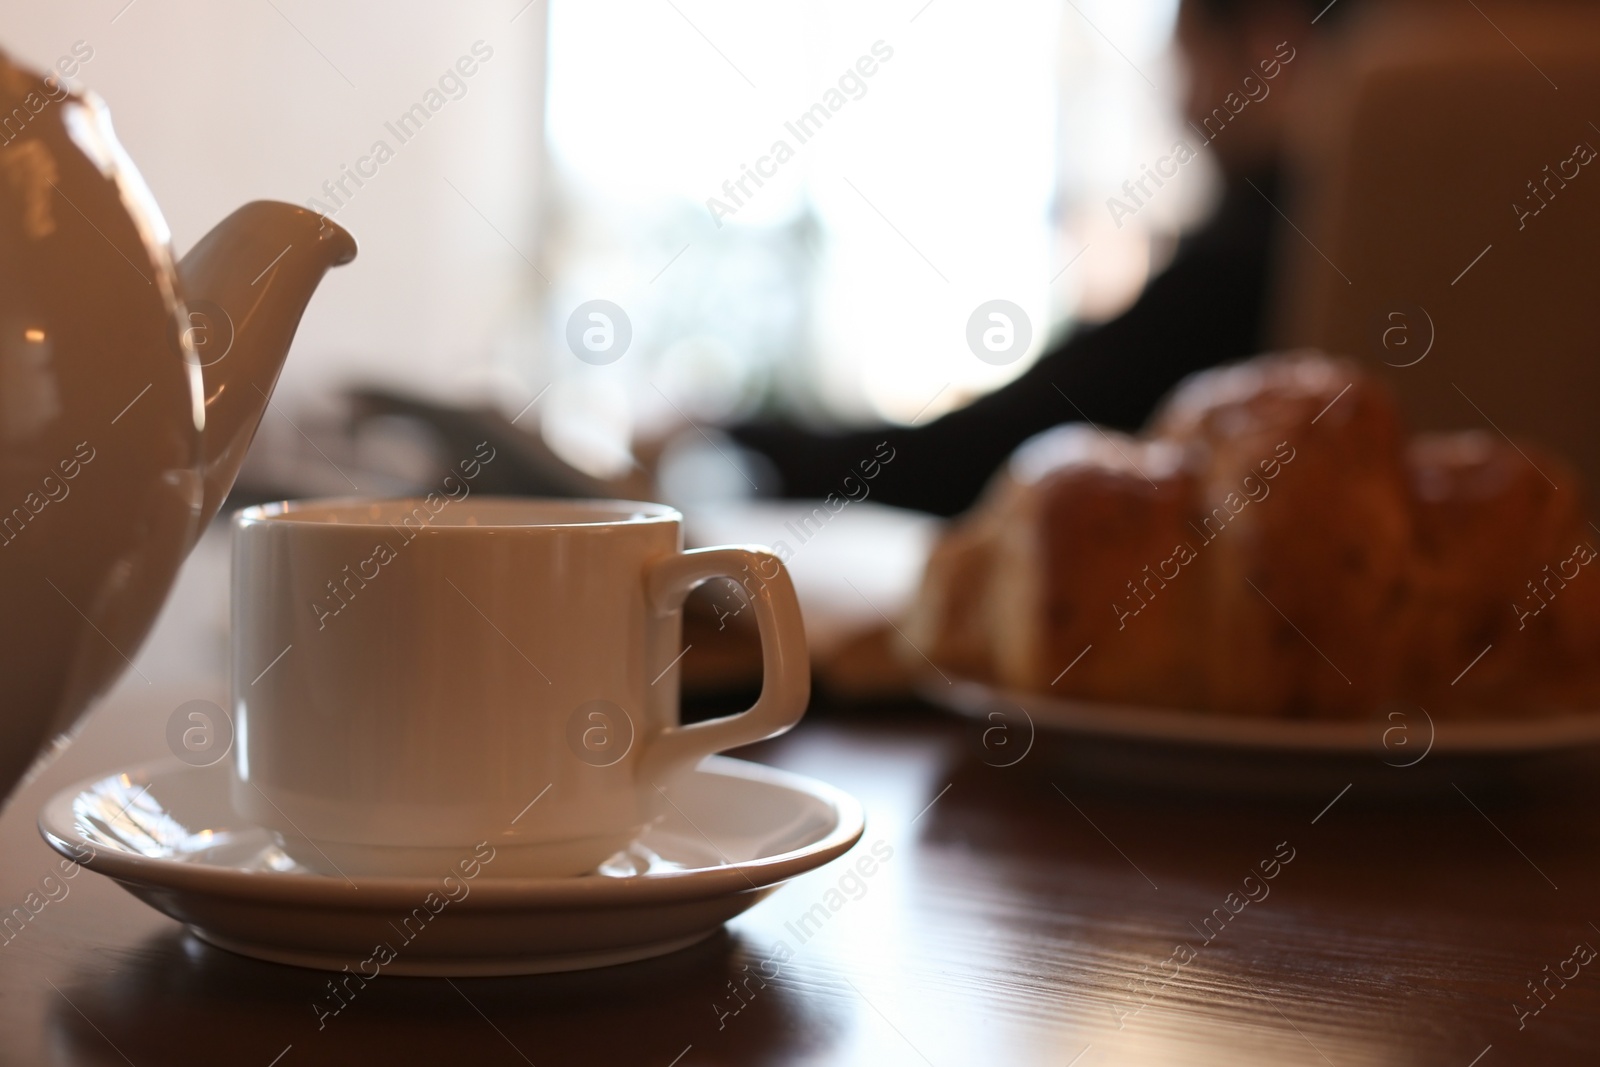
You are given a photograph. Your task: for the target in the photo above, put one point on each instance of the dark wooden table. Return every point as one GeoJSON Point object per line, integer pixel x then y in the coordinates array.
{"type": "Point", "coordinates": [1028, 915]}
{"type": "Point", "coordinates": [1023, 918]}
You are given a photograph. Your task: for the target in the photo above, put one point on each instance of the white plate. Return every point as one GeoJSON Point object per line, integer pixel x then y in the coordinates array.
{"type": "Point", "coordinates": [1402, 733]}
{"type": "Point", "coordinates": [734, 832]}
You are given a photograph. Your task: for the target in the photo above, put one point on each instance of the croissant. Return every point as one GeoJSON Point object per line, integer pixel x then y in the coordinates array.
{"type": "Point", "coordinates": [1274, 545]}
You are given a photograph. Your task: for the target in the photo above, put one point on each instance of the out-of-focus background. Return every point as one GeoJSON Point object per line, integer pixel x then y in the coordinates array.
{"type": "Point", "coordinates": [576, 164]}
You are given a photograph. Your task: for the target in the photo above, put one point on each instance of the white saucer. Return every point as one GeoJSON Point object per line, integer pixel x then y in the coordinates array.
{"type": "Point", "coordinates": [734, 832]}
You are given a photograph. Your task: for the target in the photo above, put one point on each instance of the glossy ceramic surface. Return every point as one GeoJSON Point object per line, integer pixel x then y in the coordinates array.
{"type": "Point", "coordinates": [130, 386]}
{"type": "Point", "coordinates": [431, 673]}
{"type": "Point", "coordinates": [169, 834]}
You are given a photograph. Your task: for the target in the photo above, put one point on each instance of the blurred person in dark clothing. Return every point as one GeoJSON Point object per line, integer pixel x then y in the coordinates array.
{"type": "Point", "coordinates": [1207, 307]}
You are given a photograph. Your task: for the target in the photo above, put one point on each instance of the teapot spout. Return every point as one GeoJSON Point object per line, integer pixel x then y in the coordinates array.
{"type": "Point", "coordinates": [245, 285]}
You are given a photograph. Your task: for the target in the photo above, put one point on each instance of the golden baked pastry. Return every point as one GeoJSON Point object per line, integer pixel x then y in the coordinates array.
{"type": "Point", "coordinates": [948, 622]}
{"type": "Point", "coordinates": [1306, 521]}
{"type": "Point", "coordinates": [1505, 611]}
{"type": "Point", "coordinates": [1273, 545]}
{"type": "Point", "coordinates": [1067, 578]}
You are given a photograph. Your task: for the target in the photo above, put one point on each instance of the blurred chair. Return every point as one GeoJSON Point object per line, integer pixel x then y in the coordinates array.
{"type": "Point", "coordinates": [1436, 243]}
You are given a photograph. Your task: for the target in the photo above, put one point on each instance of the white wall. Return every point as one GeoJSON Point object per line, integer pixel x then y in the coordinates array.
{"type": "Point", "coordinates": [224, 103]}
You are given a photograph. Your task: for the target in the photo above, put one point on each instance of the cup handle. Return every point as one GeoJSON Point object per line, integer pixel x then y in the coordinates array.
{"type": "Point", "coordinates": [786, 669]}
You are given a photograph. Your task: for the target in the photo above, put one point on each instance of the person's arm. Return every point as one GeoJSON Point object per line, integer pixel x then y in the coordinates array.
{"type": "Point", "coordinates": [1205, 309]}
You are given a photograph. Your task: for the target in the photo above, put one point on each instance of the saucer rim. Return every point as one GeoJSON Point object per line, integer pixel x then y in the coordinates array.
{"type": "Point", "coordinates": [57, 826]}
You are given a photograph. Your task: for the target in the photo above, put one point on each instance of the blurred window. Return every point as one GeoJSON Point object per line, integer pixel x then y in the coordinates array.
{"type": "Point", "coordinates": [799, 206]}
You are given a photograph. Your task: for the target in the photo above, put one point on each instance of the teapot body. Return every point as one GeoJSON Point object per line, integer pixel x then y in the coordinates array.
{"type": "Point", "coordinates": [101, 413]}
{"type": "Point", "coordinates": [124, 411]}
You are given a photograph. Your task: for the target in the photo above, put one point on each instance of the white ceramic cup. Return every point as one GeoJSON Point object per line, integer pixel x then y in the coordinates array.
{"type": "Point", "coordinates": [414, 677]}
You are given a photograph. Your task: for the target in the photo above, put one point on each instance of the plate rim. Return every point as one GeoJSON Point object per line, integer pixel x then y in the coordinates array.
{"type": "Point", "coordinates": [1207, 730]}
{"type": "Point", "coordinates": [56, 825]}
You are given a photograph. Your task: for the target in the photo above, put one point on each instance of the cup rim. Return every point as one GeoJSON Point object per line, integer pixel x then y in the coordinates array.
{"type": "Point", "coordinates": [379, 512]}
